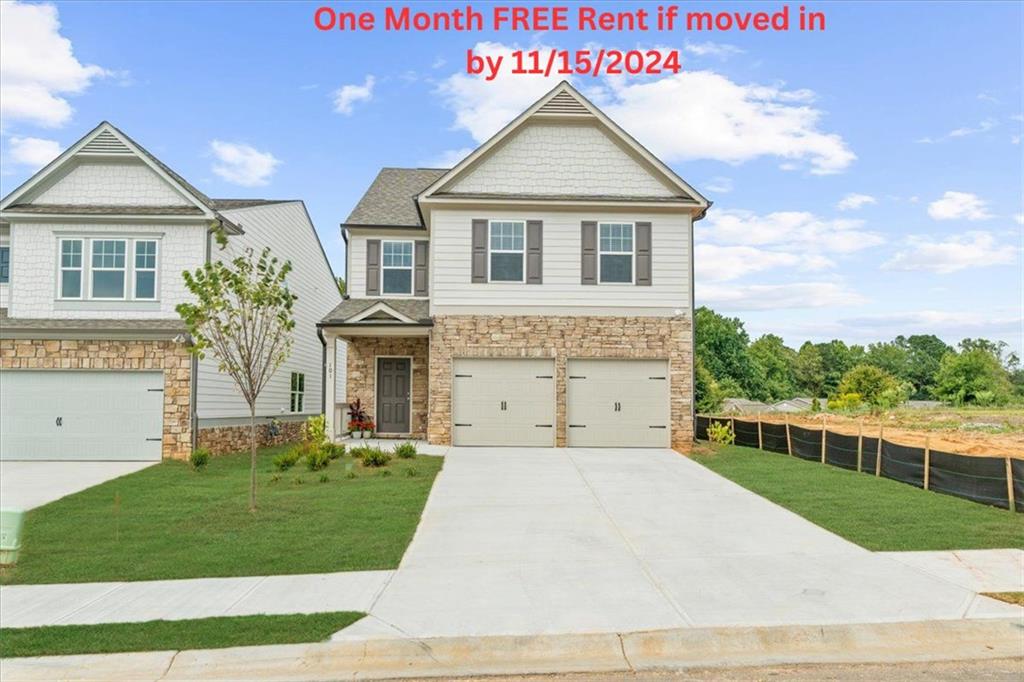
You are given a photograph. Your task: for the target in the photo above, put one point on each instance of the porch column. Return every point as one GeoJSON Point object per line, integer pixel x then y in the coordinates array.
{"type": "Point", "coordinates": [330, 383]}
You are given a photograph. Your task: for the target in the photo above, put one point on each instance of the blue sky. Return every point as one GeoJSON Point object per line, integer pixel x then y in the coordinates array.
{"type": "Point", "coordinates": [911, 113]}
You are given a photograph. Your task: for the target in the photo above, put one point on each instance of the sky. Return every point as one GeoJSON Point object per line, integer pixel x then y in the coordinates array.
{"type": "Point", "coordinates": [867, 179]}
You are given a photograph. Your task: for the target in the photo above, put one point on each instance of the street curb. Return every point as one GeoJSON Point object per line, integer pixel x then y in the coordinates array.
{"type": "Point", "coordinates": [504, 655]}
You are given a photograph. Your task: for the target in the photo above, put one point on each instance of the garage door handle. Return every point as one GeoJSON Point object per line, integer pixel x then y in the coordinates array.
{"type": "Point", "coordinates": [154, 390]}
{"type": "Point", "coordinates": [60, 421]}
{"type": "Point", "coordinates": [655, 427]}
{"type": "Point", "coordinates": [458, 424]}
{"type": "Point", "coordinates": [156, 439]}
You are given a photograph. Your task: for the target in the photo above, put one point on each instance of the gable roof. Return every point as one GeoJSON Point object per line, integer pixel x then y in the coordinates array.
{"type": "Point", "coordinates": [349, 311]}
{"type": "Point", "coordinates": [390, 200]}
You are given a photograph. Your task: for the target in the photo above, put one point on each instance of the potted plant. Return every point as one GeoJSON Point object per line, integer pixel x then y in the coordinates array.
{"type": "Point", "coordinates": [356, 419]}
{"type": "Point", "coordinates": [368, 427]}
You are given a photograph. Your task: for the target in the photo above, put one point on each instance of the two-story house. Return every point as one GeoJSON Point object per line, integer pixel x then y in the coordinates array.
{"type": "Point", "coordinates": [538, 293]}
{"type": "Point", "coordinates": [94, 360]}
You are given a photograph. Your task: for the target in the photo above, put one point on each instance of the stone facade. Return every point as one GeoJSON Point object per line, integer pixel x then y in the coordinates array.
{"type": "Point", "coordinates": [362, 374]}
{"type": "Point", "coordinates": [561, 338]}
{"type": "Point", "coordinates": [221, 440]}
{"type": "Point", "coordinates": [172, 358]}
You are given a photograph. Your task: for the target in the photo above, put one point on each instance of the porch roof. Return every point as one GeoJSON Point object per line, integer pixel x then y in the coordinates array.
{"type": "Point", "coordinates": [379, 313]}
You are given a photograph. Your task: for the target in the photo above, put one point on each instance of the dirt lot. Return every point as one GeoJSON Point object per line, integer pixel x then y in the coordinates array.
{"type": "Point", "coordinates": [966, 431]}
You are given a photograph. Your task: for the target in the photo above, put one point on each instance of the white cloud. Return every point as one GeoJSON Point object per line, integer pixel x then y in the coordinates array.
{"type": "Point", "coordinates": [1019, 218]}
{"type": "Point", "coordinates": [709, 49]}
{"type": "Point", "coordinates": [241, 164]}
{"type": "Point", "coordinates": [347, 96]}
{"type": "Point", "coordinates": [965, 131]}
{"type": "Point", "coordinates": [33, 151]}
{"type": "Point", "coordinates": [721, 185]}
{"type": "Point", "coordinates": [777, 296]}
{"type": "Point", "coordinates": [951, 326]}
{"type": "Point", "coordinates": [38, 67]}
{"type": "Point", "coordinates": [958, 252]}
{"type": "Point", "coordinates": [724, 263]}
{"type": "Point", "coordinates": [853, 201]}
{"type": "Point", "coordinates": [687, 116]}
{"type": "Point", "coordinates": [799, 229]}
{"type": "Point", "coordinates": [959, 205]}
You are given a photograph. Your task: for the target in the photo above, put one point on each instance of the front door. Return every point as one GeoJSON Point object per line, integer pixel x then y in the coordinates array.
{"type": "Point", "coordinates": [394, 378]}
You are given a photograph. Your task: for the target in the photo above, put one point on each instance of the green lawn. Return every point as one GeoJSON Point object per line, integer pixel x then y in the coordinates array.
{"type": "Point", "coordinates": [876, 513]}
{"type": "Point", "coordinates": [169, 521]}
{"type": "Point", "coordinates": [173, 635]}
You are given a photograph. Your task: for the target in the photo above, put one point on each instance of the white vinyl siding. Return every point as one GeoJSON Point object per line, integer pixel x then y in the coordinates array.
{"type": "Point", "coordinates": [506, 251]}
{"type": "Point", "coordinates": [453, 291]}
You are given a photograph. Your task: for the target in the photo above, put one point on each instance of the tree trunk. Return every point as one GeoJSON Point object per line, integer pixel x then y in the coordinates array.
{"type": "Point", "coordinates": [252, 458]}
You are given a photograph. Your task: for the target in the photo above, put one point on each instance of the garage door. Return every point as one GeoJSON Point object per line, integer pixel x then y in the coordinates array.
{"type": "Point", "coordinates": [618, 403]}
{"type": "Point", "coordinates": [503, 402]}
{"type": "Point", "coordinates": [81, 415]}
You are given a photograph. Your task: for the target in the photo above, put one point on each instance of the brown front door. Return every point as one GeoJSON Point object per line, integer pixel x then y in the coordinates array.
{"type": "Point", "coordinates": [393, 379]}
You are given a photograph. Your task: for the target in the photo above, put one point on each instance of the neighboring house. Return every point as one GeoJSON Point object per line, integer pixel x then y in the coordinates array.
{"type": "Point", "coordinates": [538, 293]}
{"type": "Point", "coordinates": [744, 406]}
{"type": "Point", "coordinates": [93, 354]}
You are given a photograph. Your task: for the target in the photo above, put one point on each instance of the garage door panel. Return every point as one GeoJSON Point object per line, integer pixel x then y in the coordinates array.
{"type": "Point", "coordinates": [81, 415]}
{"type": "Point", "coordinates": [503, 402]}
{"type": "Point", "coordinates": [618, 403]}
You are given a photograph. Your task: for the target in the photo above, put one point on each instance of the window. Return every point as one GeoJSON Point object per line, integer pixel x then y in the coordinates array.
{"type": "Point", "coordinates": [145, 269]}
{"type": "Point", "coordinates": [507, 255]}
{"type": "Point", "coordinates": [396, 267]}
{"type": "Point", "coordinates": [108, 268]}
{"type": "Point", "coordinates": [70, 268]}
{"type": "Point", "coordinates": [5, 264]}
{"type": "Point", "coordinates": [615, 253]}
{"type": "Point", "coordinates": [298, 391]}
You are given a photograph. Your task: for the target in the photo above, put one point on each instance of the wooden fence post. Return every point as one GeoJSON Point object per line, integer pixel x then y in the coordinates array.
{"type": "Point", "coordinates": [1009, 485]}
{"type": "Point", "coordinates": [789, 441]}
{"type": "Point", "coordinates": [878, 455]}
{"type": "Point", "coordinates": [927, 459]}
{"type": "Point", "coordinates": [824, 430]}
{"type": "Point", "coordinates": [860, 443]}
{"type": "Point", "coordinates": [760, 438]}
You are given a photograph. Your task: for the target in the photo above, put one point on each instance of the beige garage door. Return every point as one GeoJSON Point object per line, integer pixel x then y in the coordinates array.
{"type": "Point", "coordinates": [618, 403]}
{"type": "Point", "coordinates": [503, 402]}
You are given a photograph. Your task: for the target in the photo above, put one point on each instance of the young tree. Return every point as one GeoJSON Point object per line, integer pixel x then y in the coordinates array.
{"type": "Point", "coordinates": [341, 285]}
{"type": "Point", "coordinates": [721, 343]}
{"type": "Point", "coordinates": [810, 370]}
{"type": "Point", "coordinates": [875, 386]}
{"type": "Point", "coordinates": [778, 363]}
{"type": "Point", "coordinates": [243, 315]}
{"type": "Point", "coordinates": [974, 376]}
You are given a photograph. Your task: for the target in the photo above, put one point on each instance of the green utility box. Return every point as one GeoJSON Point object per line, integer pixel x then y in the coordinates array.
{"type": "Point", "coordinates": [11, 522]}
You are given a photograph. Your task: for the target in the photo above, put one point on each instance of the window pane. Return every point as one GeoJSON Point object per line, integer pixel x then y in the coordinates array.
{"type": "Point", "coordinates": [108, 253]}
{"type": "Point", "coordinates": [294, 380]}
{"type": "Point", "coordinates": [108, 284]}
{"type": "Point", "coordinates": [397, 254]}
{"type": "Point", "coordinates": [145, 255]}
{"type": "Point", "coordinates": [71, 284]}
{"type": "Point", "coordinates": [71, 253]}
{"type": "Point", "coordinates": [5, 264]}
{"type": "Point", "coordinates": [616, 268]}
{"type": "Point", "coordinates": [506, 267]}
{"type": "Point", "coordinates": [145, 284]}
{"type": "Point", "coordinates": [397, 282]}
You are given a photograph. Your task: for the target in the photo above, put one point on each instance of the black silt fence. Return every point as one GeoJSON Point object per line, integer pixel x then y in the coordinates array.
{"type": "Point", "coordinates": [700, 429]}
{"type": "Point", "coordinates": [903, 463]}
{"type": "Point", "coordinates": [870, 446]}
{"type": "Point", "coordinates": [746, 433]}
{"type": "Point", "coordinates": [774, 437]}
{"type": "Point", "coordinates": [841, 451]}
{"type": "Point", "coordinates": [1017, 470]}
{"type": "Point", "coordinates": [806, 442]}
{"type": "Point", "coordinates": [982, 479]}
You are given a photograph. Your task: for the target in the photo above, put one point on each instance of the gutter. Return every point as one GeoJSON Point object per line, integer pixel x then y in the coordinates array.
{"type": "Point", "coordinates": [693, 327]}
{"type": "Point", "coordinates": [323, 371]}
{"type": "Point", "coordinates": [194, 368]}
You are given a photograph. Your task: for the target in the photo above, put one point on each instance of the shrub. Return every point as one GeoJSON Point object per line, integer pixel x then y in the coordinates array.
{"type": "Point", "coordinates": [287, 459]}
{"type": "Point", "coordinates": [411, 472]}
{"type": "Point", "coordinates": [721, 433]}
{"type": "Point", "coordinates": [385, 472]}
{"type": "Point", "coordinates": [405, 450]}
{"type": "Point", "coordinates": [314, 431]}
{"type": "Point", "coordinates": [199, 458]}
{"type": "Point", "coordinates": [874, 386]}
{"type": "Point", "coordinates": [334, 450]}
{"type": "Point", "coordinates": [317, 458]}
{"type": "Point", "coordinates": [846, 402]}
{"type": "Point", "coordinates": [350, 474]}
{"type": "Point", "coordinates": [375, 457]}
{"type": "Point", "coordinates": [323, 478]}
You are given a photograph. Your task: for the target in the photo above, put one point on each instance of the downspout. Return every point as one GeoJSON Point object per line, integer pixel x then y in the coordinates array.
{"type": "Point", "coordinates": [323, 370]}
{"type": "Point", "coordinates": [194, 369]}
{"type": "Point", "coordinates": [344, 238]}
{"type": "Point", "coordinates": [693, 329]}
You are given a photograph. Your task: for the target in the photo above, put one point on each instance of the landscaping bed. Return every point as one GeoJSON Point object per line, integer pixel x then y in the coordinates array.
{"type": "Point", "coordinates": [173, 635]}
{"type": "Point", "coordinates": [173, 521]}
{"type": "Point", "coordinates": [876, 513]}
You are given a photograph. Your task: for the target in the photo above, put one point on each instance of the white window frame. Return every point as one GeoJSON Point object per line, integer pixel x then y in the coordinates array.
{"type": "Point", "coordinates": [631, 253]}
{"type": "Point", "coordinates": [155, 270]}
{"type": "Point", "coordinates": [490, 250]}
{"type": "Point", "coordinates": [125, 269]}
{"type": "Point", "coordinates": [80, 269]}
{"type": "Point", "coordinates": [411, 267]}
{"type": "Point", "coordinates": [293, 393]}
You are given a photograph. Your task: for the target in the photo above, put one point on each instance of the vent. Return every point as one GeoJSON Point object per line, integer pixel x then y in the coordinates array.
{"type": "Point", "coordinates": [105, 143]}
{"type": "Point", "coordinates": [563, 103]}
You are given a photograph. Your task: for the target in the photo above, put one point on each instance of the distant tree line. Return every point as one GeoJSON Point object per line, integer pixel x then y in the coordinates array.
{"type": "Point", "coordinates": [880, 375]}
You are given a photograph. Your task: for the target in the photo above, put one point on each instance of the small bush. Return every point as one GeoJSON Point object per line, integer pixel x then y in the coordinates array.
{"type": "Point", "coordinates": [318, 458]}
{"type": "Point", "coordinates": [846, 402]}
{"type": "Point", "coordinates": [287, 459]}
{"type": "Point", "coordinates": [323, 478]}
{"type": "Point", "coordinates": [199, 458]}
{"type": "Point", "coordinates": [275, 478]}
{"type": "Point", "coordinates": [314, 431]}
{"type": "Point", "coordinates": [405, 450]}
{"type": "Point", "coordinates": [721, 433]}
{"type": "Point", "coordinates": [385, 472]}
{"type": "Point", "coordinates": [411, 472]}
{"type": "Point", "coordinates": [350, 474]}
{"type": "Point", "coordinates": [375, 457]}
{"type": "Point", "coordinates": [334, 450]}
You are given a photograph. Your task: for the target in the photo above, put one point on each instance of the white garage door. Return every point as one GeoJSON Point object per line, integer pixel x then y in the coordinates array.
{"type": "Point", "coordinates": [503, 402]}
{"type": "Point", "coordinates": [81, 415]}
{"type": "Point", "coordinates": [618, 403]}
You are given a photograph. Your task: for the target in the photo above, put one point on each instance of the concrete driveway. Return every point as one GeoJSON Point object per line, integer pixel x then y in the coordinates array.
{"type": "Point", "coordinates": [539, 541]}
{"type": "Point", "coordinates": [24, 485]}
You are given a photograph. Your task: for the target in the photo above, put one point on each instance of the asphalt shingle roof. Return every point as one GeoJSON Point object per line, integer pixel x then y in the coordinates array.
{"type": "Point", "coordinates": [391, 198]}
{"type": "Point", "coordinates": [415, 309]}
{"type": "Point", "coordinates": [43, 326]}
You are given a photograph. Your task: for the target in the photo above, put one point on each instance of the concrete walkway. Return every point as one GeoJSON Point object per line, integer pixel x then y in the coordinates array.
{"type": "Point", "coordinates": [26, 485]}
{"type": "Point", "coordinates": [978, 570]}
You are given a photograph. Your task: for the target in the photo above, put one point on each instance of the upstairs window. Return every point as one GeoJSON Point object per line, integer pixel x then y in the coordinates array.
{"type": "Point", "coordinates": [5, 264]}
{"type": "Point", "coordinates": [145, 269]}
{"type": "Point", "coordinates": [507, 251]}
{"type": "Point", "coordinates": [298, 391]}
{"type": "Point", "coordinates": [70, 285]}
{"type": "Point", "coordinates": [396, 267]}
{"type": "Point", "coordinates": [615, 253]}
{"type": "Point", "coordinates": [108, 268]}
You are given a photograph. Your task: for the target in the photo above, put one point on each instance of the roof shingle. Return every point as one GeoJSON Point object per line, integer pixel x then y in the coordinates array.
{"type": "Point", "coordinates": [391, 198]}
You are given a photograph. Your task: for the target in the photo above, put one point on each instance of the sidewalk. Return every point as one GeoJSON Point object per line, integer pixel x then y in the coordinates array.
{"type": "Point", "coordinates": [979, 570]}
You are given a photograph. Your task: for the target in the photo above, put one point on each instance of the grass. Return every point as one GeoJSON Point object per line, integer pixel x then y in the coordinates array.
{"type": "Point", "coordinates": [169, 521]}
{"type": "Point", "coordinates": [173, 635]}
{"type": "Point", "coordinates": [876, 513]}
{"type": "Point", "coordinates": [1008, 597]}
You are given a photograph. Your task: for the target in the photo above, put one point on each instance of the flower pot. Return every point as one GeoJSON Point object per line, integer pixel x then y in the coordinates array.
{"type": "Point", "coordinates": [367, 434]}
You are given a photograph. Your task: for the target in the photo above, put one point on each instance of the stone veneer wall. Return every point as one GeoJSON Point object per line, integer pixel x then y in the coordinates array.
{"type": "Point", "coordinates": [221, 440]}
{"type": "Point", "coordinates": [172, 358]}
{"type": "Point", "coordinates": [561, 338]}
{"type": "Point", "coordinates": [362, 374]}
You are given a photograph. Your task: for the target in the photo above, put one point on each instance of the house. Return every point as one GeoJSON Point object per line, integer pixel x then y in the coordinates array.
{"type": "Point", "coordinates": [538, 293]}
{"type": "Point", "coordinates": [744, 406]}
{"type": "Point", "coordinates": [94, 361]}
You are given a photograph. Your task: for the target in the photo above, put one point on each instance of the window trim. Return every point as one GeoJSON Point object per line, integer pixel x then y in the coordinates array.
{"type": "Point", "coordinates": [7, 246]}
{"type": "Point", "coordinates": [300, 393]}
{"type": "Point", "coordinates": [631, 253]}
{"type": "Point", "coordinates": [125, 269]}
{"type": "Point", "coordinates": [80, 269]}
{"type": "Point", "coordinates": [490, 250]}
{"type": "Point", "coordinates": [155, 270]}
{"type": "Point", "coordinates": [411, 267]}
